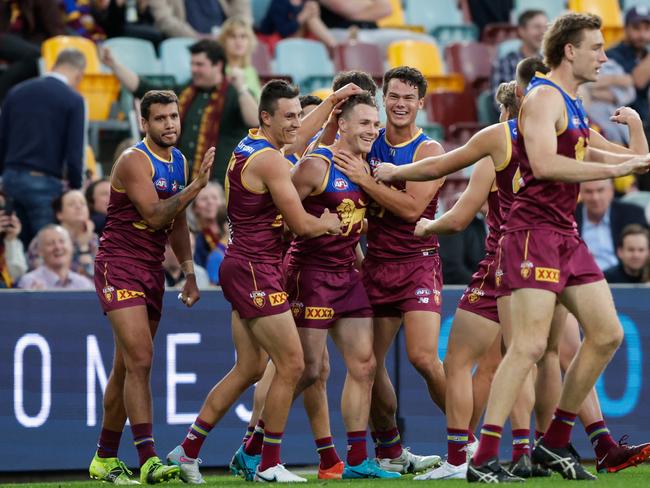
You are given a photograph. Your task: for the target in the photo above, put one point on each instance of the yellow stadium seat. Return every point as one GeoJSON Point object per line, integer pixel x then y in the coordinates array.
{"type": "Point", "coordinates": [99, 89]}
{"type": "Point", "coordinates": [425, 56]}
{"type": "Point", "coordinates": [396, 17]}
{"type": "Point", "coordinates": [322, 93]}
{"type": "Point", "coordinates": [608, 10]}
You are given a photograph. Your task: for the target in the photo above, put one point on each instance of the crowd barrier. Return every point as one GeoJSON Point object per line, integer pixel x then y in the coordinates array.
{"type": "Point", "coordinates": [56, 351]}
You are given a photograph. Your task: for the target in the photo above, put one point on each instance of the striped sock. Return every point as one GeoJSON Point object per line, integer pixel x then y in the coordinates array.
{"type": "Point", "coordinates": [143, 441]}
{"type": "Point", "coordinates": [600, 438]}
{"type": "Point", "coordinates": [375, 442]}
{"type": "Point", "coordinates": [193, 441]}
{"type": "Point", "coordinates": [357, 452]}
{"type": "Point", "coordinates": [249, 432]}
{"type": "Point", "coordinates": [390, 443]}
{"type": "Point", "coordinates": [327, 452]}
{"type": "Point", "coordinates": [456, 442]}
{"type": "Point", "coordinates": [520, 443]}
{"type": "Point", "coordinates": [488, 446]}
{"type": "Point", "coordinates": [108, 443]}
{"type": "Point", "coordinates": [254, 444]}
{"type": "Point", "coordinates": [559, 432]}
{"type": "Point", "coordinates": [272, 441]}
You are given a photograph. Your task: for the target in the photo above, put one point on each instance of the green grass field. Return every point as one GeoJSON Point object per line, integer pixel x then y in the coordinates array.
{"type": "Point", "coordinates": [630, 478]}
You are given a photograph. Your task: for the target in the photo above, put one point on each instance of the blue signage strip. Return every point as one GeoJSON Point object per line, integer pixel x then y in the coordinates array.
{"type": "Point", "coordinates": [56, 353]}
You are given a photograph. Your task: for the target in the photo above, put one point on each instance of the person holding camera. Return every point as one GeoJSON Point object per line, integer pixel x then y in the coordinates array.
{"type": "Point", "coordinates": [12, 256]}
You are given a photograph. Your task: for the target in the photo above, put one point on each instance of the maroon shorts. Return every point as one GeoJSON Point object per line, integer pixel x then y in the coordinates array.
{"type": "Point", "coordinates": [480, 295]}
{"type": "Point", "coordinates": [319, 298]}
{"type": "Point", "coordinates": [547, 260]}
{"type": "Point", "coordinates": [396, 287]}
{"type": "Point", "coordinates": [121, 284]}
{"type": "Point", "coordinates": [253, 289]}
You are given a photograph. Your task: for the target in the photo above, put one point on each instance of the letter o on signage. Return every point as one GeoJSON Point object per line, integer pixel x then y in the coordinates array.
{"type": "Point", "coordinates": [38, 341]}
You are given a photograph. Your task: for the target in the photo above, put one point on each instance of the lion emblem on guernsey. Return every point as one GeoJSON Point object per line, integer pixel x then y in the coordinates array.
{"type": "Point", "coordinates": [526, 267]}
{"type": "Point", "coordinates": [259, 298]}
{"type": "Point", "coordinates": [475, 295]}
{"type": "Point", "coordinates": [350, 215]}
{"type": "Point", "coordinates": [580, 149]}
{"type": "Point", "coordinates": [108, 293]}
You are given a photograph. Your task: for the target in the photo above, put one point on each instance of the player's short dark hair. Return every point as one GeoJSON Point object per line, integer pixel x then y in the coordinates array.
{"type": "Point", "coordinates": [360, 78]}
{"type": "Point", "coordinates": [632, 230]}
{"type": "Point", "coordinates": [163, 97]}
{"type": "Point", "coordinates": [507, 96]}
{"type": "Point", "coordinates": [566, 29]}
{"type": "Point", "coordinates": [526, 69]}
{"type": "Point", "coordinates": [364, 98]}
{"type": "Point", "coordinates": [408, 75]}
{"type": "Point", "coordinates": [307, 100]}
{"type": "Point", "coordinates": [528, 15]}
{"type": "Point", "coordinates": [272, 92]}
{"type": "Point", "coordinates": [212, 49]}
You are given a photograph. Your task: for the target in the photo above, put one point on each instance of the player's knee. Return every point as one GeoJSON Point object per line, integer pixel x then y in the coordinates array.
{"type": "Point", "coordinates": [363, 369]}
{"type": "Point", "coordinates": [608, 341]}
{"type": "Point", "coordinates": [529, 352]}
{"type": "Point", "coordinates": [311, 374]}
{"type": "Point", "coordinates": [423, 360]}
{"type": "Point", "coordinates": [324, 372]}
{"type": "Point", "coordinates": [291, 366]}
{"type": "Point", "coordinates": [139, 363]}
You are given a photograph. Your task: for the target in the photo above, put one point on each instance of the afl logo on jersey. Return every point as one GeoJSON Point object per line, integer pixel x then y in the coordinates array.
{"type": "Point", "coordinates": [161, 184]}
{"type": "Point", "coordinates": [340, 184]}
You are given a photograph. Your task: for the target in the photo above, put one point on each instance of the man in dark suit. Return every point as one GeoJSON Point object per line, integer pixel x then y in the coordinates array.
{"type": "Point", "coordinates": [42, 140]}
{"type": "Point", "coordinates": [601, 219]}
{"type": "Point", "coordinates": [633, 251]}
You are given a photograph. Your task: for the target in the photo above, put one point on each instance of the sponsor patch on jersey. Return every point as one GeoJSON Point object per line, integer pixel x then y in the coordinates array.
{"type": "Point", "coordinates": [176, 186]}
{"type": "Point", "coordinates": [340, 184]}
{"type": "Point", "coordinates": [475, 295]}
{"type": "Point", "coordinates": [278, 298]}
{"type": "Point", "coordinates": [128, 294]}
{"type": "Point", "coordinates": [319, 313]}
{"type": "Point", "coordinates": [259, 298]}
{"type": "Point", "coordinates": [161, 184]}
{"type": "Point", "coordinates": [550, 275]}
{"type": "Point", "coordinates": [421, 292]}
{"type": "Point", "coordinates": [374, 162]}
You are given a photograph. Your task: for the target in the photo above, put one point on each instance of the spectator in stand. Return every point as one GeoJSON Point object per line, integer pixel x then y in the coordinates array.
{"type": "Point", "coordinates": [632, 55]}
{"type": "Point", "coordinates": [601, 220]}
{"type": "Point", "coordinates": [309, 103]}
{"type": "Point", "coordinates": [633, 253]}
{"type": "Point", "coordinates": [80, 18]}
{"type": "Point", "coordinates": [296, 18]}
{"type": "Point", "coordinates": [12, 254]}
{"type": "Point", "coordinates": [238, 41]}
{"type": "Point", "coordinates": [205, 16]}
{"type": "Point", "coordinates": [483, 13]}
{"type": "Point", "coordinates": [531, 26]}
{"type": "Point", "coordinates": [41, 139]}
{"type": "Point", "coordinates": [205, 209]}
{"type": "Point", "coordinates": [362, 13]}
{"type": "Point", "coordinates": [174, 276]}
{"type": "Point", "coordinates": [24, 25]}
{"type": "Point", "coordinates": [97, 195]}
{"type": "Point", "coordinates": [55, 248]}
{"type": "Point", "coordinates": [129, 18]}
{"type": "Point", "coordinates": [215, 110]}
{"type": "Point", "coordinates": [170, 18]}
{"type": "Point", "coordinates": [219, 252]}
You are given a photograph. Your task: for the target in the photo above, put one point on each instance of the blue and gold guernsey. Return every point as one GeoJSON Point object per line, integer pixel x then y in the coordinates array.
{"type": "Point", "coordinates": [126, 235]}
{"type": "Point", "coordinates": [551, 205]}
{"type": "Point", "coordinates": [389, 236]}
{"type": "Point", "coordinates": [339, 195]}
{"type": "Point", "coordinates": [256, 226]}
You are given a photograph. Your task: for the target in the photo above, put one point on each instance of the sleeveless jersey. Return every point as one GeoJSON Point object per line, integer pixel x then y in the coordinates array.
{"type": "Point", "coordinates": [255, 223]}
{"type": "Point", "coordinates": [389, 236]}
{"type": "Point", "coordinates": [551, 204]}
{"type": "Point", "coordinates": [339, 195]}
{"type": "Point", "coordinates": [126, 234]}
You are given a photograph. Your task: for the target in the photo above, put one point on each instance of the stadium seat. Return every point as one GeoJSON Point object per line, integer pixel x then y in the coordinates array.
{"type": "Point", "coordinates": [462, 132]}
{"type": "Point", "coordinates": [609, 11]}
{"type": "Point", "coordinates": [446, 34]}
{"type": "Point", "coordinates": [54, 45]}
{"type": "Point", "coordinates": [259, 8]}
{"type": "Point", "coordinates": [487, 113]}
{"type": "Point", "coordinates": [473, 60]}
{"type": "Point", "coordinates": [396, 17]}
{"type": "Point", "coordinates": [640, 198]}
{"type": "Point", "coordinates": [359, 55]}
{"type": "Point", "coordinates": [448, 108]}
{"type": "Point", "coordinates": [425, 56]}
{"type": "Point", "coordinates": [138, 55]}
{"type": "Point", "coordinates": [322, 93]}
{"type": "Point", "coordinates": [498, 32]}
{"type": "Point", "coordinates": [508, 46]}
{"type": "Point", "coordinates": [420, 12]}
{"type": "Point", "coordinates": [553, 8]}
{"type": "Point", "coordinates": [307, 61]}
{"type": "Point", "coordinates": [628, 4]}
{"type": "Point", "coordinates": [175, 58]}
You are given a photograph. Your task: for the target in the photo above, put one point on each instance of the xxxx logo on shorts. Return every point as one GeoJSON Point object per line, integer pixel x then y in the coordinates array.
{"type": "Point", "coordinates": [475, 295]}
{"type": "Point", "coordinates": [108, 293]}
{"type": "Point", "coordinates": [550, 275]}
{"type": "Point", "coordinates": [278, 298]}
{"type": "Point", "coordinates": [296, 308]}
{"type": "Point", "coordinates": [259, 298]}
{"type": "Point", "coordinates": [526, 267]}
{"type": "Point", "coordinates": [319, 313]}
{"type": "Point", "coordinates": [128, 294]}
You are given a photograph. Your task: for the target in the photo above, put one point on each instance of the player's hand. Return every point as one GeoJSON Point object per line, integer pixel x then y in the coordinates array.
{"type": "Point", "coordinates": [237, 78]}
{"type": "Point", "coordinates": [106, 57]}
{"type": "Point", "coordinates": [331, 221]}
{"type": "Point", "coordinates": [625, 115]}
{"type": "Point", "coordinates": [9, 226]}
{"type": "Point", "coordinates": [422, 228]}
{"type": "Point", "coordinates": [637, 165]}
{"type": "Point", "coordinates": [206, 166]}
{"type": "Point", "coordinates": [190, 293]}
{"type": "Point", "coordinates": [345, 92]}
{"type": "Point", "coordinates": [385, 172]}
{"type": "Point", "coordinates": [352, 166]}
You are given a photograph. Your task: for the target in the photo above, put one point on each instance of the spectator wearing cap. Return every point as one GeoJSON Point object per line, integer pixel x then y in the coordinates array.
{"type": "Point", "coordinates": [631, 54]}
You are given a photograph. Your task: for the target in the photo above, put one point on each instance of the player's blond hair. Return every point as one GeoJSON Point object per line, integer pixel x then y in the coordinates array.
{"type": "Point", "coordinates": [566, 29]}
{"type": "Point", "coordinates": [507, 96]}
